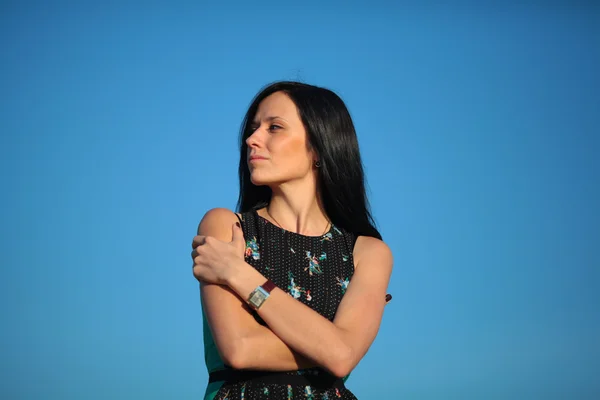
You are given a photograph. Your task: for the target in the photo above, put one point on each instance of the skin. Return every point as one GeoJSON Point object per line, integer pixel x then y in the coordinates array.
{"type": "Point", "coordinates": [296, 337]}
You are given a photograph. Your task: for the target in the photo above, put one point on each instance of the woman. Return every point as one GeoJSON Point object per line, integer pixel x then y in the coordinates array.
{"type": "Point", "coordinates": [293, 288]}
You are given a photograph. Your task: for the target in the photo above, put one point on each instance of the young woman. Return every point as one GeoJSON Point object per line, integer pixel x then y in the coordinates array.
{"type": "Point", "coordinates": [293, 287]}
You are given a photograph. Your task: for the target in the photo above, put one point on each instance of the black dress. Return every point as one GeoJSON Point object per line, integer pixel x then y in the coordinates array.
{"type": "Point", "coordinates": [315, 270]}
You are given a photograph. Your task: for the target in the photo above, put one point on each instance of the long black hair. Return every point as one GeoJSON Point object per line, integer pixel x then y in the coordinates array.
{"type": "Point", "coordinates": [332, 136]}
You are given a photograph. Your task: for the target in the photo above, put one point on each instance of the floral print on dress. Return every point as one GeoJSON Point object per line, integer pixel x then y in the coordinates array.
{"type": "Point", "coordinates": [343, 283]}
{"type": "Point", "coordinates": [328, 236]}
{"type": "Point", "coordinates": [337, 230]}
{"type": "Point", "coordinates": [252, 249]}
{"type": "Point", "coordinates": [295, 290]}
{"type": "Point", "coordinates": [290, 393]}
{"type": "Point", "coordinates": [308, 393]}
{"type": "Point", "coordinates": [313, 263]}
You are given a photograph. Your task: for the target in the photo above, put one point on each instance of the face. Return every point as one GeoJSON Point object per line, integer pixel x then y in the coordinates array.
{"type": "Point", "coordinates": [278, 148]}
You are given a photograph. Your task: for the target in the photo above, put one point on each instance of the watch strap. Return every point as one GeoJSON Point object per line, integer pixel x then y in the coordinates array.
{"type": "Point", "coordinates": [268, 286]}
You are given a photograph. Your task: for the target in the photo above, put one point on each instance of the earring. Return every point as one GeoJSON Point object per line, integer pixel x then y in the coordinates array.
{"type": "Point", "coordinates": [318, 164]}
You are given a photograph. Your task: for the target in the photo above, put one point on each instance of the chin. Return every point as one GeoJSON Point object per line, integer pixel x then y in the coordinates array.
{"type": "Point", "coordinates": [259, 180]}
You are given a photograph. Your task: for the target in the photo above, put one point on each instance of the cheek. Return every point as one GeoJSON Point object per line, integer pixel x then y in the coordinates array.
{"type": "Point", "coordinates": [291, 152]}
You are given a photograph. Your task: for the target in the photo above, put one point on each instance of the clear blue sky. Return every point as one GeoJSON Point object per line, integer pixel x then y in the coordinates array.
{"type": "Point", "coordinates": [479, 129]}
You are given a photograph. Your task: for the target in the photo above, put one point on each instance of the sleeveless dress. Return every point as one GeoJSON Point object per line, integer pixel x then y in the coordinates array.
{"type": "Point", "coordinates": [315, 270]}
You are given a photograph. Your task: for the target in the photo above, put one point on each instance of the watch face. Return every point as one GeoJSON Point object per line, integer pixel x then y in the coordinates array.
{"type": "Point", "coordinates": [257, 298]}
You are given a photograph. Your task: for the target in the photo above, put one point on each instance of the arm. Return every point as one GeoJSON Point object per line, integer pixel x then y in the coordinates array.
{"type": "Point", "coordinates": [241, 341]}
{"type": "Point", "coordinates": [343, 343]}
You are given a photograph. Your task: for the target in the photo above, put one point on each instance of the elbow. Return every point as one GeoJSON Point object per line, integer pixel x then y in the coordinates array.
{"type": "Point", "coordinates": [342, 363]}
{"type": "Point", "coordinates": [234, 355]}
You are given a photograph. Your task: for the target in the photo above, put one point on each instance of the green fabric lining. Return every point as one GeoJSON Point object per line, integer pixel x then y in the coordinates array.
{"type": "Point", "coordinates": [212, 358]}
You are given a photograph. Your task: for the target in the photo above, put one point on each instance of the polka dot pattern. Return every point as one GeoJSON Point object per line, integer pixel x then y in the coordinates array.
{"type": "Point", "coordinates": [313, 269]}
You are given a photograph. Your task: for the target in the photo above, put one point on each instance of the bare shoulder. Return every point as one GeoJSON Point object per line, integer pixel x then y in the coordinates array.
{"type": "Point", "coordinates": [373, 250]}
{"type": "Point", "coordinates": [217, 222]}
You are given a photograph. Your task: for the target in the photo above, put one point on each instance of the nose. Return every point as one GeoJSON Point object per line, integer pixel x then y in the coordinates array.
{"type": "Point", "coordinates": [253, 140]}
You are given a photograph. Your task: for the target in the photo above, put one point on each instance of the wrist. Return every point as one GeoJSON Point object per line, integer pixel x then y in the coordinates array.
{"type": "Point", "coordinates": [261, 294]}
{"type": "Point", "coordinates": [233, 270]}
{"type": "Point", "coordinates": [244, 279]}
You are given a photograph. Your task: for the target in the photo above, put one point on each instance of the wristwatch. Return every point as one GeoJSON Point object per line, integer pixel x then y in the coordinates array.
{"type": "Point", "coordinates": [260, 294]}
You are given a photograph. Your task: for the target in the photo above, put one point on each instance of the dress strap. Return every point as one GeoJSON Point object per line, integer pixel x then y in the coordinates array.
{"type": "Point", "coordinates": [249, 225]}
{"type": "Point", "coordinates": [240, 218]}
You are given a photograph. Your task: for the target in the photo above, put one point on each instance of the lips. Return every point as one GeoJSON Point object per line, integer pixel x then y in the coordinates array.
{"type": "Point", "coordinates": [257, 158]}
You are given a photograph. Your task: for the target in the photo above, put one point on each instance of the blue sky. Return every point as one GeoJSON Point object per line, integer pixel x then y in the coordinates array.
{"type": "Point", "coordinates": [479, 130]}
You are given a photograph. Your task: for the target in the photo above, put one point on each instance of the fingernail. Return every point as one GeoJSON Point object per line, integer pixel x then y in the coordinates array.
{"type": "Point", "coordinates": [388, 297]}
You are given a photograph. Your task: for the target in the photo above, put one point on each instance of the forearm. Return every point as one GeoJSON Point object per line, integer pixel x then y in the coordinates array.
{"type": "Point", "coordinates": [263, 350]}
{"type": "Point", "coordinates": [298, 326]}
{"type": "Point", "coordinates": [242, 342]}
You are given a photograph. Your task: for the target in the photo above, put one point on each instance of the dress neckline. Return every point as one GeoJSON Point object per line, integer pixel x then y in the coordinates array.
{"type": "Point", "coordinates": [328, 233]}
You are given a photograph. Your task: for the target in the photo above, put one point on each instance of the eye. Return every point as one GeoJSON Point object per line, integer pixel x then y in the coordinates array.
{"type": "Point", "coordinates": [274, 127]}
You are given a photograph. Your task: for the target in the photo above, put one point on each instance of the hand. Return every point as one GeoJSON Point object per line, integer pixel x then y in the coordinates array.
{"type": "Point", "coordinates": [215, 260]}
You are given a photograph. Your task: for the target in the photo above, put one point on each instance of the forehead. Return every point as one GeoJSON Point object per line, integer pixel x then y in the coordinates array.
{"type": "Point", "coordinates": [277, 104]}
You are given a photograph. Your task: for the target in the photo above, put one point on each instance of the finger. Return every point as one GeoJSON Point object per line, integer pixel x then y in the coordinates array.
{"type": "Point", "coordinates": [238, 233]}
{"type": "Point", "coordinates": [194, 254]}
{"type": "Point", "coordinates": [198, 240]}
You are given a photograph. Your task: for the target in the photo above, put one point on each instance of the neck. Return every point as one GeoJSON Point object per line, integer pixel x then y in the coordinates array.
{"type": "Point", "coordinates": [296, 207]}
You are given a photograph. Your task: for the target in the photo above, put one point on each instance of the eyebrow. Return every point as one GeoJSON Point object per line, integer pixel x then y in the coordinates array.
{"type": "Point", "coordinates": [269, 119]}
